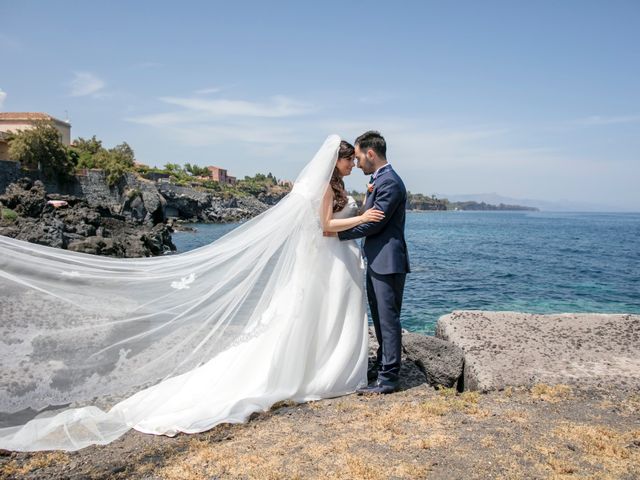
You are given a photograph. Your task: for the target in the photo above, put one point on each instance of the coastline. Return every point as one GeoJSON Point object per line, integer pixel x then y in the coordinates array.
{"type": "Point", "coordinates": [564, 426]}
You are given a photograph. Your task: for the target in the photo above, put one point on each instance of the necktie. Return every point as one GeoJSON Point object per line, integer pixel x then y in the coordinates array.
{"type": "Point", "coordinates": [371, 179]}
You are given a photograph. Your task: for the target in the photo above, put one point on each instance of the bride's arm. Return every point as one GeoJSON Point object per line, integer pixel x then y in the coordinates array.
{"type": "Point", "coordinates": [330, 224]}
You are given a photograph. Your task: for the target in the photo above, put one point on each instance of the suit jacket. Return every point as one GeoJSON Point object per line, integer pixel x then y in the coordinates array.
{"type": "Point", "coordinates": [384, 245]}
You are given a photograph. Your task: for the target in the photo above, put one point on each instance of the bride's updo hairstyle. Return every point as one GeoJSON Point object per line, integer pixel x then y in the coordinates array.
{"type": "Point", "coordinates": [337, 184]}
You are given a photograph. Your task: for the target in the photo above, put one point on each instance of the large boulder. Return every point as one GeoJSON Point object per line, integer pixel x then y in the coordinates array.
{"type": "Point", "coordinates": [188, 202]}
{"type": "Point", "coordinates": [425, 359]}
{"type": "Point", "coordinates": [26, 197]}
{"type": "Point", "coordinates": [233, 209]}
{"type": "Point", "coordinates": [521, 349]}
{"type": "Point", "coordinates": [142, 201]}
{"type": "Point", "coordinates": [202, 206]}
{"type": "Point", "coordinates": [44, 231]}
{"type": "Point", "coordinates": [96, 245]}
{"type": "Point", "coordinates": [442, 362]}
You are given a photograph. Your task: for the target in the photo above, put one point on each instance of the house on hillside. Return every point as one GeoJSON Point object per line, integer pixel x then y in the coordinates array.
{"type": "Point", "coordinates": [220, 175]}
{"type": "Point", "coordinates": [15, 121]}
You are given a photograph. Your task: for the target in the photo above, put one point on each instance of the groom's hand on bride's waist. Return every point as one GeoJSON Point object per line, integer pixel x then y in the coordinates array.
{"type": "Point", "coordinates": [329, 234]}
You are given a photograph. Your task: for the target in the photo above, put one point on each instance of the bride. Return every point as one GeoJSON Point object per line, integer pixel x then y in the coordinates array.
{"type": "Point", "coordinates": [94, 346]}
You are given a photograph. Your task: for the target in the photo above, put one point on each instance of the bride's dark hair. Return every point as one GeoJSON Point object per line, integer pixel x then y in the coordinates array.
{"type": "Point", "coordinates": [337, 184]}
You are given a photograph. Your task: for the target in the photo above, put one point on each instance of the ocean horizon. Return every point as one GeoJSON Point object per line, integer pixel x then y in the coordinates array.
{"type": "Point", "coordinates": [534, 262]}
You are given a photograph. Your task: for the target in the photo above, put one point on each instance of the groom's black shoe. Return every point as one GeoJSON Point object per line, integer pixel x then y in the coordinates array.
{"type": "Point", "coordinates": [377, 388]}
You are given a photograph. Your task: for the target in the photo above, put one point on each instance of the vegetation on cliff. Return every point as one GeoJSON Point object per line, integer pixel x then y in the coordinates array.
{"type": "Point", "coordinates": [114, 161]}
{"type": "Point", "coordinates": [41, 148]}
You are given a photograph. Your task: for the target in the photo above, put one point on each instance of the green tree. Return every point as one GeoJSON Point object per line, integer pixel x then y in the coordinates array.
{"type": "Point", "coordinates": [196, 170]}
{"type": "Point", "coordinates": [90, 146]}
{"type": "Point", "coordinates": [123, 154]}
{"type": "Point", "coordinates": [115, 161]}
{"type": "Point", "coordinates": [41, 147]}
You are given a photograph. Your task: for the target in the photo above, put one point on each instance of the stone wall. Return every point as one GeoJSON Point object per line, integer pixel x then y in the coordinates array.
{"type": "Point", "coordinates": [92, 185]}
{"type": "Point", "coordinates": [9, 173]}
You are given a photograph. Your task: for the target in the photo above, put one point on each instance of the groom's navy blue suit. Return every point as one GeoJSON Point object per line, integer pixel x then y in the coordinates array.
{"type": "Point", "coordinates": [385, 249]}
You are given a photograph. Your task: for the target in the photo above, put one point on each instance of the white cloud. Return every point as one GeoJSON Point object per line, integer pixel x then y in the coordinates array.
{"type": "Point", "coordinates": [85, 83]}
{"type": "Point", "coordinates": [207, 91]}
{"type": "Point", "coordinates": [416, 141]}
{"type": "Point", "coordinates": [3, 97]}
{"type": "Point", "coordinates": [207, 134]}
{"type": "Point", "coordinates": [277, 106]}
{"type": "Point", "coordinates": [430, 154]}
{"type": "Point", "coordinates": [203, 122]}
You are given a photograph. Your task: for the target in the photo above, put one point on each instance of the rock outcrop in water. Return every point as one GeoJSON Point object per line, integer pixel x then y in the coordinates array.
{"type": "Point", "coordinates": [202, 206]}
{"type": "Point", "coordinates": [133, 218]}
{"type": "Point", "coordinates": [134, 228]}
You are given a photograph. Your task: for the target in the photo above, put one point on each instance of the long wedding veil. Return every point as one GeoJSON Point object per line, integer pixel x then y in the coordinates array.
{"type": "Point", "coordinates": [83, 330]}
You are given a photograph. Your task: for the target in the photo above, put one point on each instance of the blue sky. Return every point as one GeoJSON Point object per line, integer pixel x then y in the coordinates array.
{"type": "Point", "coordinates": [525, 99]}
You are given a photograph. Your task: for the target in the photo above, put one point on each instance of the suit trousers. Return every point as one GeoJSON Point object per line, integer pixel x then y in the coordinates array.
{"type": "Point", "coordinates": [384, 293]}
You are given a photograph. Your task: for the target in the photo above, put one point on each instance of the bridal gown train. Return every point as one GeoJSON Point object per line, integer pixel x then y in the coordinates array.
{"type": "Point", "coordinates": [271, 311]}
{"type": "Point", "coordinates": [306, 357]}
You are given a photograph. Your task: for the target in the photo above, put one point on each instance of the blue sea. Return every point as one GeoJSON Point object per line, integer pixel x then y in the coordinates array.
{"type": "Point", "coordinates": [538, 262]}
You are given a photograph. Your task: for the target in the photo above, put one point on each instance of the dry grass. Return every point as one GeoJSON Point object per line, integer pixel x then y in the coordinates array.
{"type": "Point", "coordinates": [598, 441]}
{"type": "Point", "coordinates": [336, 459]}
{"type": "Point", "coordinates": [631, 404]}
{"type": "Point", "coordinates": [450, 401]}
{"type": "Point", "coordinates": [353, 438]}
{"type": "Point", "coordinates": [604, 450]}
{"type": "Point", "coordinates": [561, 467]}
{"type": "Point", "coordinates": [433, 441]}
{"type": "Point", "coordinates": [516, 416]}
{"type": "Point", "coordinates": [412, 434]}
{"type": "Point", "coordinates": [551, 393]}
{"type": "Point", "coordinates": [36, 462]}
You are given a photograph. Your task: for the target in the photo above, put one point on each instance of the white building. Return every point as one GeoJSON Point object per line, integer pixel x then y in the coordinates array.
{"type": "Point", "coordinates": [15, 121]}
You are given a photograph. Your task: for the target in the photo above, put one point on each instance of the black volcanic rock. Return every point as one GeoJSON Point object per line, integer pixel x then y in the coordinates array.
{"type": "Point", "coordinates": [81, 227]}
{"type": "Point", "coordinates": [201, 206]}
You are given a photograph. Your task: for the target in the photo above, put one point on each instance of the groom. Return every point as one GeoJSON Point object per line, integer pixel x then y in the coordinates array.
{"type": "Point", "coordinates": [385, 249]}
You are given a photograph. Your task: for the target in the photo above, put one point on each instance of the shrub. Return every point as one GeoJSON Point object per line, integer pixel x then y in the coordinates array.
{"type": "Point", "coordinates": [41, 148]}
{"type": "Point", "coordinates": [115, 161]}
{"type": "Point", "coordinates": [7, 214]}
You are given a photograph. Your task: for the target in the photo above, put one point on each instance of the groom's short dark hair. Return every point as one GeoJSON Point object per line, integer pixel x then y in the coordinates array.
{"type": "Point", "coordinates": [374, 141]}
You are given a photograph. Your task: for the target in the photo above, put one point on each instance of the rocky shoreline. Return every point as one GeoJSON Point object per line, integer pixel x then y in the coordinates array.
{"type": "Point", "coordinates": [137, 229]}
{"type": "Point", "coordinates": [134, 218]}
{"type": "Point", "coordinates": [477, 350]}
{"type": "Point", "coordinates": [564, 428]}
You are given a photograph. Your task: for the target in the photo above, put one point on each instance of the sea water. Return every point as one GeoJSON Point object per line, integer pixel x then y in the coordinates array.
{"type": "Point", "coordinates": [538, 262]}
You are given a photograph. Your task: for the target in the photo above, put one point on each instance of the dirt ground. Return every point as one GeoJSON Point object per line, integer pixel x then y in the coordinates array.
{"type": "Point", "coordinates": [543, 432]}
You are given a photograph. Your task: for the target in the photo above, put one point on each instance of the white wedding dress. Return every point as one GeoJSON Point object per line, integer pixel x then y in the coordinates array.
{"type": "Point", "coordinates": [271, 311]}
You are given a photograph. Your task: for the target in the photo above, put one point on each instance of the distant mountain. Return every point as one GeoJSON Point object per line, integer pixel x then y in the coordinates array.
{"type": "Point", "coordinates": [544, 205]}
